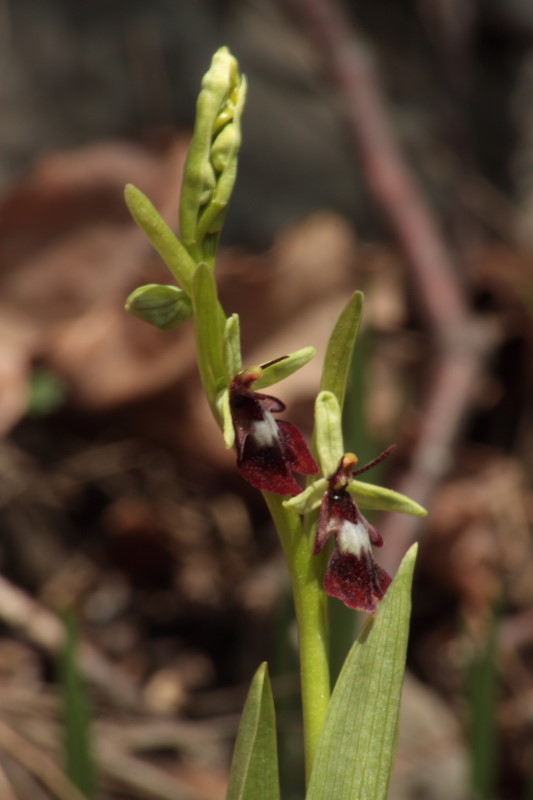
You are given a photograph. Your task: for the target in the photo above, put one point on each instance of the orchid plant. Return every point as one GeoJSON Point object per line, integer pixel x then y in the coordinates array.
{"type": "Point", "coordinates": [350, 734]}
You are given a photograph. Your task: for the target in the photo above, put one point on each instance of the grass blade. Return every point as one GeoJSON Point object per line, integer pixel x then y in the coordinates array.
{"type": "Point", "coordinates": [79, 763]}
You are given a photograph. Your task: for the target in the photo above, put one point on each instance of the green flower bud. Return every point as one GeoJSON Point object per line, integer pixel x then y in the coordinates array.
{"type": "Point", "coordinates": [208, 182]}
{"type": "Point", "coordinates": [165, 307]}
{"type": "Point", "coordinates": [210, 174]}
{"type": "Point", "coordinates": [224, 146]}
{"type": "Point", "coordinates": [225, 116]}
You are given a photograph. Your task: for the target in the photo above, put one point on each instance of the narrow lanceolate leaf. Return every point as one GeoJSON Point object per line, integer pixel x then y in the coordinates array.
{"type": "Point", "coordinates": [161, 236]}
{"type": "Point", "coordinates": [78, 752]}
{"type": "Point", "coordinates": [356, 749]}
{"type": "Point", "coordinates": [210, 324]}
{"type": "Point", "coordinates": [254, 769]}
{"type": "Point", "coordinates": [340, 348]}
{"type": "Point", "coordinates": [378, 498]}
{"type": "Point", "coordinates": [328, 431]}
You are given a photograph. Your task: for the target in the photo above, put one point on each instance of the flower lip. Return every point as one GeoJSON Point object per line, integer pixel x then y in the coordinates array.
{"type": "Point", "coordinates": [352, 575]}
{"type": "Point", "coordinates": [268, 450]}
{"type": "Point", "coordinates": [357, 581]}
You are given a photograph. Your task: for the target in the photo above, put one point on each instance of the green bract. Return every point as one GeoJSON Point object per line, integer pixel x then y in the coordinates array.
{"type": "Point", "coordinates": [340, 349]}
{"type": "Point", "coordinates": [161, 236]}
{"type": "Point", "coordinates": [210, 326]}
{"type": "Point", "coordinates": [166, 307]}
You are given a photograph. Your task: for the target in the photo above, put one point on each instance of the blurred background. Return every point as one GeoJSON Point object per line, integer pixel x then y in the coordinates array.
{"type": "Point", "coordinates": [118, 501]}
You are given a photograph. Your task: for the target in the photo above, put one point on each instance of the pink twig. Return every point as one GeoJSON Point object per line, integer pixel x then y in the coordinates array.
{"type": "Point", "coordinates": [459, 343]}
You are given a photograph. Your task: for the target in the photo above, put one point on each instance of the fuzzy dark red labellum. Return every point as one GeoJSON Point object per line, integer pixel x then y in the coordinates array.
{"type": "Point", "coordinates": [352, 575]}
{"type": "Point", "coordinates": [268, 450]}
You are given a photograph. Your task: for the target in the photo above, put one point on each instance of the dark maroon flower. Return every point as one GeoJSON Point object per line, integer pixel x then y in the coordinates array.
{"type": "Point", "coordinates": [352, 574]}
{"type": "Point", "coordinates": [268, 450]}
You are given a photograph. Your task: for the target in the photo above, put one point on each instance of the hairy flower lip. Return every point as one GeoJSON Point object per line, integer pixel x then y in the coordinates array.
{"type": "Point", "coordinates": [268, 450]}
{"type": "Point", "coordinates": [359, 583]}
{"type": "Point", "coordinates": [352, 574]}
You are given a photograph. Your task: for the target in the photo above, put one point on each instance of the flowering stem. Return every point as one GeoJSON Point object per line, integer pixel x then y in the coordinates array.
{"type": "Point", "coordinates": [306, 573]}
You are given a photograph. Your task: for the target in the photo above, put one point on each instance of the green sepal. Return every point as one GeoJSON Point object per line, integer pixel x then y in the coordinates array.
{"type": "Point", "coordinates": [232, 347]}
{"type": "Point", "coordinates": [340, 349]}
{"type": "Point", "coordinates": [328, 432]}
{"type": "Point", "coordinates": [284, 367]}
{"type": "Point", "coordinates": [254, 769]}
{"type": "Point", "coordinates": [309, 499]}
{"type": "Point", "coordinates": [378, 498]}
{"type": "Point", "coordinates": [210, 324]}
{"type": "Point", "coordinates": [226, 421]}
{"type": "Point", "coordinates": [163, 239]}
{"type": "Point", "coordinates": [165, 307]}
{"type": "Point", "coordinates": [357, 744]}
{"type": "Point", "coordinates": [367, 496]}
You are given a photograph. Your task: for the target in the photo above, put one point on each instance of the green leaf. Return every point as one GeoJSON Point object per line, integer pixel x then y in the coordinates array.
{"type": "Point", "coordinates": [232, 347]}
{"type": "Point", "coordinates": [161, 236]}
{"type": "Point", "coordinates": [378, 498]}
{"type": "Point", "coordinates": [356, 749]}
{"type": "Point", "coordinates": [340, 348]}
{"type": "Point", "coordinates": [254, 769]}
{"type": "Point", "coordinates": [282, 368]}
{"type": "Point", "coordinates": [483, 690]}
{"type": "Point", "coordinates": [165, 307]}
{"type": "Point", "coordinates": [78, 754]}
{"type": "Point", "coordinates": [210, 325]}
{"type": "Point", "coordinates": [328, 432]}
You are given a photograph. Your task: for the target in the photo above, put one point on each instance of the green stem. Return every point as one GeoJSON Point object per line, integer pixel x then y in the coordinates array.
{"type": "Point", "coordinates": [306, 572]}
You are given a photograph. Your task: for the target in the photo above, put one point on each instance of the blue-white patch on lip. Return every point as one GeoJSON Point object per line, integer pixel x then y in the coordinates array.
{"type": "Point", "coordinates": [265, 432]}
{"type": "Point", "coordinates": [353, 538]}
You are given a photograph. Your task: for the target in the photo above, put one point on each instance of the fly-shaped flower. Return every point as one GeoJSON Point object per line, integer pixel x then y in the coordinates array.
{"type": "Point", "coordinates": [268, 450]}
{"type": "Point", "coordinates": [352, 574]}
